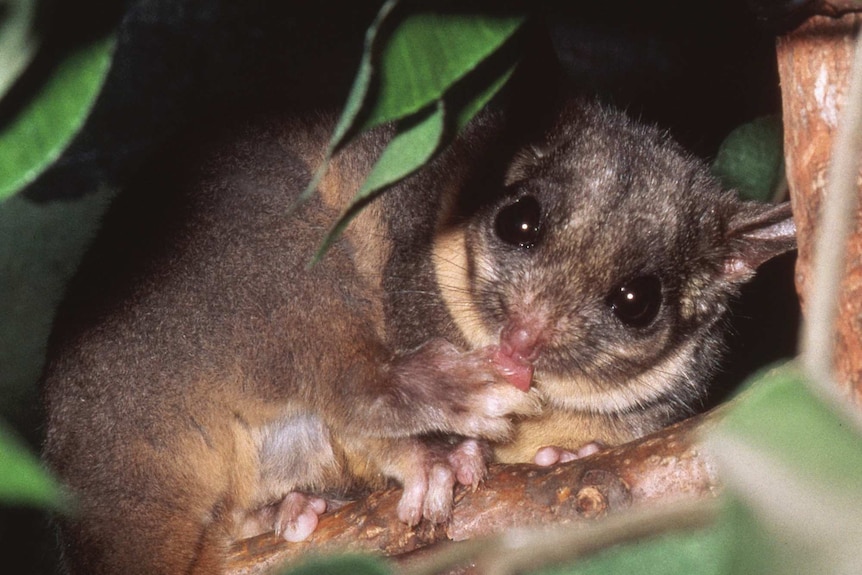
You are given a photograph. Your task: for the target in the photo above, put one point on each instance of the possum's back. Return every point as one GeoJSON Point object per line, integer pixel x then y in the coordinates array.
{"type": "Point", "coordinates": [170, 344]}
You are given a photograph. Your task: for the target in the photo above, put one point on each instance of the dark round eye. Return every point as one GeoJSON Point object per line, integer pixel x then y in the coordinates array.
{"type": "Point", "coordinates": [519, 222]}
{"type": "Point", "coordinates": [637, 302]}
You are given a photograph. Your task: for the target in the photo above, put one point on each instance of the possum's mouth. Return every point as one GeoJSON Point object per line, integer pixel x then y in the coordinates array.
{"type": "Point", "coordinates": [519, 347]}
{"type": "Point", "coordinates": [517, 369]}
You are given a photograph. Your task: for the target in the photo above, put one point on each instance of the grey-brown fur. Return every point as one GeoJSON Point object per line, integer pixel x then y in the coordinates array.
{"type": "Point", "coordinates": [199, 372]}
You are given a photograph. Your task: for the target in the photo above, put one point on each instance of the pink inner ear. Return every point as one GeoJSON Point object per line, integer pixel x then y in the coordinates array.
{"type": "Point", "coordinates": [758, 233]}
{"type": "Point", "coordinates": [777, 231]}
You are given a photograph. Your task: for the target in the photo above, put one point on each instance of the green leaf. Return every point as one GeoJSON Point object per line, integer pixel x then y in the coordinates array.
{"type": "Point", "coordinates": [361, 85]}
{"type": "Point", "coordinates": [356, 101]}
{"type": "Point", "coordinates": [408, 150]}
{"type": "Point", "coordinates": [43, 129]}
{"type": "Point", "coordinates": [751, 159]}
{"type": "Point", "coordinates": [780, 415]}
{"type": "Point", "coordinates": [23, 480]}
{"type": "Point", "coordinates": [701, 552]}
{"type": "Point", "coordinates": [419, 60]}
{"type": "Point", "coordinates": [482, 96]}
{"type": "Point", "coordinates": [18, 43]}
{"type": "Point", "coordinates": [411, 147]}
{"type": "Point", "coordinates": [753, 547]}
{"type": "Point", "coordinates": [425, 58]}
{"type": "Point", "coordinates": [340, 565]}
{"type": "Point", "coordinates": [428, 52]}
{"type": "Point", "coordinates": [795, 463]}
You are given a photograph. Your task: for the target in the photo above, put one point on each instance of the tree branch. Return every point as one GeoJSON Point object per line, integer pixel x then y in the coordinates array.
{"type": "Point", "coordinates": [669, 465]}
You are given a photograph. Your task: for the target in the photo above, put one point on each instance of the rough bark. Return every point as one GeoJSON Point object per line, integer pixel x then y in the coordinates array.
{"type": "Point", "coordinates": [665, 466]}
{"type": "Point", "coordinates": [814, 62]}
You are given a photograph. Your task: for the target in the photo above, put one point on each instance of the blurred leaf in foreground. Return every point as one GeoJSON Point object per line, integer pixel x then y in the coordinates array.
{"type": "Point", "coordinates": [340, 565]}
{"type": "Point", "coordinates": [18, 42]}
{"type": "Point", "coordinates": [23, 480]}
{"type": "Point", "coordinates": [795, 464]}
{"type": "Point", "coordinates": [33, 139]}
{"type": "Point", "coordinates": [701, 552]}
{"type": "Point", "coordinates": [751, 160]}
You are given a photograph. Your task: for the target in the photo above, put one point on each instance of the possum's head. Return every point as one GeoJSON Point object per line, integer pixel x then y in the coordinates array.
{"type": "Point", "coordinates": [606, 264]}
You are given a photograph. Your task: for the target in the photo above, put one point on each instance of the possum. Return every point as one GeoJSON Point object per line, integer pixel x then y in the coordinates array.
{"type": "Point", "coordinates": [565, 284]}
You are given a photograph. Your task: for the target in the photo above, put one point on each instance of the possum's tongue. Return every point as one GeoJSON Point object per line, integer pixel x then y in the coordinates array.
{"type": "Point", "coordinates": [517, 370]}
{"type": "Point", "coordinates": [518, 349]}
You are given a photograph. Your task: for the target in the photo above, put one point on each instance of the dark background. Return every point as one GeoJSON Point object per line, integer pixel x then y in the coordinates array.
{"type": "Point", "coordinates": [697, 68]}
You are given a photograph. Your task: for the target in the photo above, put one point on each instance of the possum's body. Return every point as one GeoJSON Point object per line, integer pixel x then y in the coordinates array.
{"type": "Point", "coordinates": [204, 384]}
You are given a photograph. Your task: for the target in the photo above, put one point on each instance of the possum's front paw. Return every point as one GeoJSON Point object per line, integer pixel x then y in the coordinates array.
{"type": "Point", "coordinates": [469, 461]}
{"type": "Point", "coordinates": [550, 455]}
{"type": "Point", "coordinates": [430, 481]}
{"type": "Point", "coordinates": [467, 393]}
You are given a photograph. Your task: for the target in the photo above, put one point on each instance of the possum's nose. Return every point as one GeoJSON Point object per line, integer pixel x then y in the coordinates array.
{"type": "Point", "coordinates": [521, 339]}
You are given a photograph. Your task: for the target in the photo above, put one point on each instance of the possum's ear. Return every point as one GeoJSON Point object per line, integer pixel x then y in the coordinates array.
{"type": "Point", "coordinates": [524, 162]}
{"type": "Point", "coordinates": [756, 233]}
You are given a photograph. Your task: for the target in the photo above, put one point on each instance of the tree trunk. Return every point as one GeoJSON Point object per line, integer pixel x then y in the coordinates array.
{"type": "Point", "coordinates": [814, 62]}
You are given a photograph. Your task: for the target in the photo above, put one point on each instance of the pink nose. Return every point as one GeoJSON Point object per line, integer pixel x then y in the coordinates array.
{"type": "Point", "coordinates": [521, 338]}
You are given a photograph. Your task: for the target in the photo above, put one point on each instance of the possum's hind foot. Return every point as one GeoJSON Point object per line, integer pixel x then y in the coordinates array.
{"type": "Point", "coordinates": [297, 515]}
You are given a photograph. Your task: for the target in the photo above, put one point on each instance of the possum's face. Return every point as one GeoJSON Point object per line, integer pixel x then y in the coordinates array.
{"type": "Point", "coordinates": [606, 265]}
